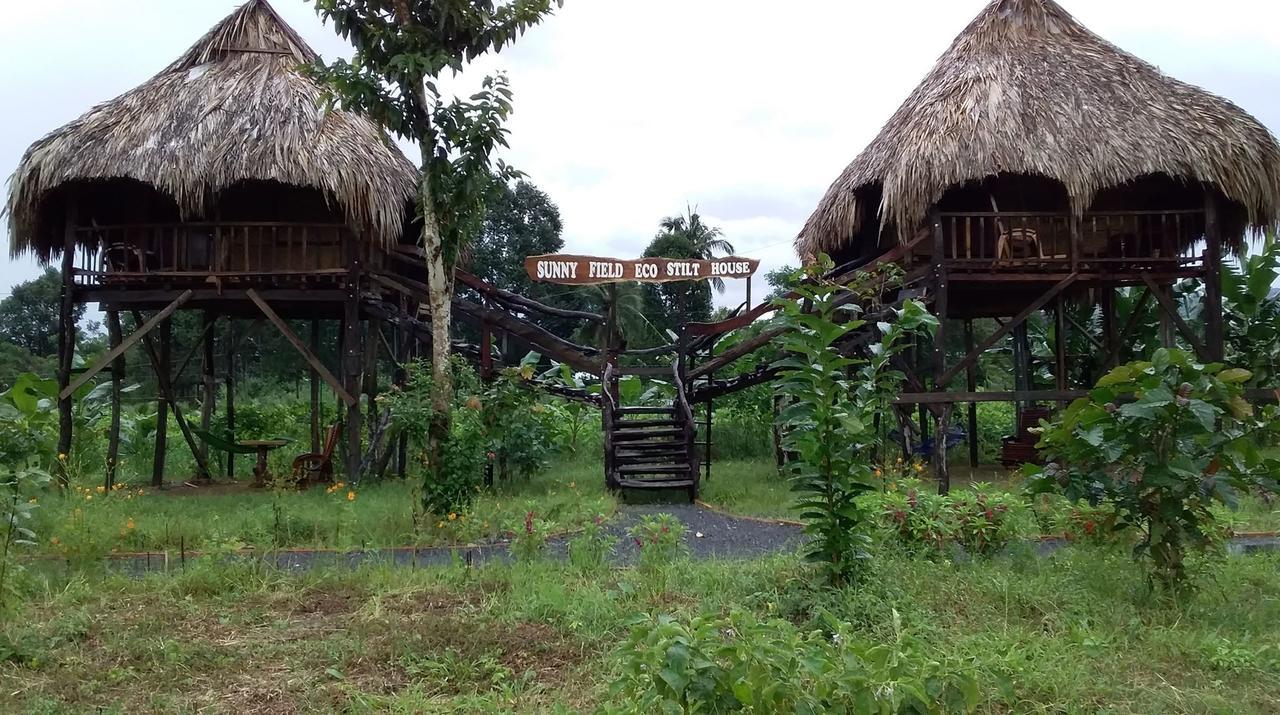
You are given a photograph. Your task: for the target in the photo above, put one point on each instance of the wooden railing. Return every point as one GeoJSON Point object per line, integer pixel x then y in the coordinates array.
{"type": "Point", "coordinates": [175, 250]}
{"type": "Point", "coordinates": [1101, 241]}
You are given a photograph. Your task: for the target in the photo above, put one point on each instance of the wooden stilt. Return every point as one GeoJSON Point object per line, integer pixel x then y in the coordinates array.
{"type": "Point", "coordinates": [353, 344]}
{"type": "Point", "coordinates": [66, 348]}
{"type": "Point", "coordinates": [941, 471]}
{"type": "Point", "coordinates": [1213, 327]}
{"type": "Point", "coordinates": [1107, 302]}
{"type": "Point", "coordinates": [1021, 367]}
{"type": "Point", "coordinates": [230, 378]}
{"type": "Point", "coordinates": [971, 384]}
{"type": "Point", "coordinates": [114, 336]}
{"type": "Point", "coordinates": [1060, 345]}
{"type": "Point", "coordinates": [161, 368]}
{"type": "Point", "coordinates": [209, 384]}
{"type": "Point", "coordinates": [371, 375]}
{"type": "Point", "coordinates": [315, 388]}
{"type": "Point", "coordinates": [162, 363]}
{"type": "Point", "coordinates": [404, 353]}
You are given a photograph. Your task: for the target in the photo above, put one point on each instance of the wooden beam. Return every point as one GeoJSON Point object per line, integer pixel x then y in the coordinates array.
{"type": "Point", "coordinates": [124, 345]}
{"type": "Point", "coordinates": [160, 362]}
{"type": "Point", "coordinates": [971, 384]}
{"type": "Point", "coordinates": [298, 345]}
{"type": "Point", "coordinates": [945, 398]}
{"type": "Point", "coordinates": [114, 335]}
{"type": "Point", "coordinates": [1171, 310]}
{"type": "Point", "coordinates": [1005, 329]}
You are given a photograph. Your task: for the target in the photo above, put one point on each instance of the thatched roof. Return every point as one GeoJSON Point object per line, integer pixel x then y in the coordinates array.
{"type": "Point", "coordinates": [1026, 89]}
{"type": "Point", "coordinates": [232, 108]}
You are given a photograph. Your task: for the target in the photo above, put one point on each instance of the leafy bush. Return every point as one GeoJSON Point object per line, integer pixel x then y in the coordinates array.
{"type": "Point", "coordinates": [829, 420]}
{"type": "Point", "coordinates": [659, 539]}
{"type": "Point", "coordinates": [1160, 442]}
{"type": "Point", "coordinates": [463, 463]}
{"type": "Point", "coordinates": [590, 550]}
{"type": "Point", "coordinates": [981, 521]}
{"type": "Point", "coordinates": [741, 664]}
{"type": "Point", "coordinates": [530, 543]}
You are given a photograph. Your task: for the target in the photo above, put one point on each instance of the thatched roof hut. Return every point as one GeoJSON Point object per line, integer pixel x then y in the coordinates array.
{"type": "Point", "coordinates": [234, 108]}
{"type": "Point", "coordinates": [1026, 90]}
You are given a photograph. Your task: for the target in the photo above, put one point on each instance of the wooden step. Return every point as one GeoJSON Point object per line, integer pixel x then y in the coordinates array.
{"type": "Point", "coordinates": [646, 410]}
{"type": "Point", "coordinates": [646, 423]}
{"type": "Point", "coordinates": [655, 455]}
{"type": "Point", "coordinates": [655, 483]}
{"type": "Point", "coordinates": [633, 469]}
{"type": "Point", "coordinates": [644, 434]}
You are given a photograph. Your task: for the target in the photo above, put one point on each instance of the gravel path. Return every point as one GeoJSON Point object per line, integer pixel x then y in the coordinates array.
{"type": "Point", "coordinates": [708, 535]}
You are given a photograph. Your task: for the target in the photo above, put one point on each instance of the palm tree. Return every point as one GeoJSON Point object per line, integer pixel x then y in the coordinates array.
{"type": "Point", "coordinates": [704, 241]}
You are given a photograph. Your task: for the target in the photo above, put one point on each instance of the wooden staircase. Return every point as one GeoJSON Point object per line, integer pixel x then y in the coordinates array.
{"type": "Point", "coordinates": [649, 447]}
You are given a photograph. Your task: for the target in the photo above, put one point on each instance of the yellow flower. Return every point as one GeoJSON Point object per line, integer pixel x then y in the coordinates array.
{"type": "Point", "coordinates": [88, 497]}
{"type": "Point", "coordinates": [485, 525]}
{"type": "Point", "coordinates": [439, 524]}
{"type": "Point", "coordinates": [878, 472]}
{"type": "Point", "coordinates": [919, 467]}
{"type": "Point", "coordinates": [351, 496]}
{"type": "Point", "coordinates": [55, 541]}
{"type": "Point", "coordinates": [129, 524]}
{"type": "Point", "coordinates": [62, 456]}
{"type": "Point", "coordinates": [899, 460]}
{"type": "Point", "coordinates": [102, 489]}
{"type": "Point", "coordinates": [117, 487]}
{"type": "Point", "coordinates": [32, 500]}
{"type": "Point", "coordinates": [573, 485]}
{"type": "Point", "coordinates": [453, 516]}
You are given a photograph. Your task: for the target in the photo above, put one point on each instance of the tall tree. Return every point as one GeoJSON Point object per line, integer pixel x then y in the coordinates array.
{"type": "Point", "coordinates": [685, 236]}
{"type": "Point", "coordinates": [401, 49]}
{"type": "Point", "coordinates": [29, 315]}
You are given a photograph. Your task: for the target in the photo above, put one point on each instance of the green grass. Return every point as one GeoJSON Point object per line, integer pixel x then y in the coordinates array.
{"type": "Point", "coordinates": [87, 523]}
{"type": "Point", "coordinates": [1075, 633]}
{"type": "Point", "coordinates": [755, 488]}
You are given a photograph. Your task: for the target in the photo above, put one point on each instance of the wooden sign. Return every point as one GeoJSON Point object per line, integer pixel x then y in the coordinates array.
{"type": "Point", "coordinates": [592, 270]}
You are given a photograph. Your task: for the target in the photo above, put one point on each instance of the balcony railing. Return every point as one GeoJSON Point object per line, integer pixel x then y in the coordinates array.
{"type": "Point", "coordinates": [242, 250]}
{"type": "Point", "coordinates": [1106, 242]}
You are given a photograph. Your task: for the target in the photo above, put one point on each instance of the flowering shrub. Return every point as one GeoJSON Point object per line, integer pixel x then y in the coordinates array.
{"type": "Point", "coordinates": [979, 520]}
{"type": "Point", "coordinates": [517, 423]}
{"type": "Point", "coordinates": [590, 550]}
{"type": "Point", "coordinates": [530, 543]}
{"type": "Point", "coordinates": [741, 664]}
{"type": "Point", "coordinates": [659, 539]}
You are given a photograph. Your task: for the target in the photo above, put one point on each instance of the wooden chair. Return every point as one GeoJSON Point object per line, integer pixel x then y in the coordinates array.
{"type": "Point", "coordinates": [1014, 243]}
{"type": "Point", "coordinates": [317, 468]}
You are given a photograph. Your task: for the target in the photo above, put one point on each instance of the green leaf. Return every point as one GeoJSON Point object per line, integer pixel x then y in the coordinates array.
{"type": "Point", "coordinates": [1235, 376]}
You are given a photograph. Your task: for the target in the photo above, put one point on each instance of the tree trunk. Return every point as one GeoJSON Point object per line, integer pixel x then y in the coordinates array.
{"type": "Point", "coordinates": [440, 309]}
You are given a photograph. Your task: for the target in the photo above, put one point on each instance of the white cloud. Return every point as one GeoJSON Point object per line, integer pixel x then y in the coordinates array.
{"type": "Point", "coordinates": [627, 111]}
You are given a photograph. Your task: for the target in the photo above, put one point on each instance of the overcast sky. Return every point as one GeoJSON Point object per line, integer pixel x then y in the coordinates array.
{"type": "Point", "coordinates": [628, 111]}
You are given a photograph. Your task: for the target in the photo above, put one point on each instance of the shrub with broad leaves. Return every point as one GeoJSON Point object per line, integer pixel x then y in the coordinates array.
{"type": "Point", "coordinates": [741, 664]}
{"type": "Point", "coordinates": [1160, 442]}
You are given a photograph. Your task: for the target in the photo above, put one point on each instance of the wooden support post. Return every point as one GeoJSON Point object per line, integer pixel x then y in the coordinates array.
{"type": "Point", "coordinates": [162, 363]}
{"type": "Point", "coordinates": [1213, 327]}
{"type": "Point", "coordinates": [66, 347]}
{"type": "Point", "coordinates": [230, 378]}
{"type": "Point", "coordinates": [1107, 302]}
{"type": "Point", "coordinates": [1169, 318]}
{"type": "Point", "coordinates": [161, 367]}
{"type": "Point", "coordinates": [971, 384]}
{"type": "Point", "coordinates": [352, 360]}
{"type": "Point", "coordinates": [124, 345]}
{"type": "Point", "coordinates": [940, 305]}
{"type": "Point", "coordinates": [404, 352]}
{"type": "Point", "coordinates": [114, 336]}
{"type": "Point", "coordinates": [1021, 367]}
{"type": "Point", "coordinates": [315, 387]}
{"type": "Point", "coordinates": [209, 384]}
{"type": "Point", "coordinates": [486, 351]}
{"type": "Point", "coordinates": [941, 471]}
{"type": "Point", "coordinates": [372, 331]}
{"type": "Point", "coordinates": [1060, 344]}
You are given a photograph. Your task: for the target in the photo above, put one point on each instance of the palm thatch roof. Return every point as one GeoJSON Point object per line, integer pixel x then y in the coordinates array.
{"type": "Point", "coordinates": [234, 107]}
{"type": "Point", "coordinates": [1027, 89]}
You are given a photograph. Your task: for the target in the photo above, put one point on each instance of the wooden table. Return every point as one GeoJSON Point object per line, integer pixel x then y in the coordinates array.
{"type": "Point", "coordinates": [263, 446]}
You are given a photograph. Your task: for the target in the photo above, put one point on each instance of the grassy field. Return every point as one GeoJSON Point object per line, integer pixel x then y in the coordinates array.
{"type": "Point", "coordinates": [1074, 633]}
